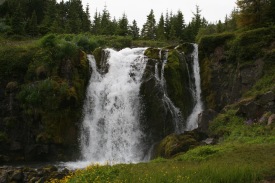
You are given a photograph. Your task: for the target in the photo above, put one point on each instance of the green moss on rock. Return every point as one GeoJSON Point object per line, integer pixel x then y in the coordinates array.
{"type": "Point", "coordinates": [174, 144]}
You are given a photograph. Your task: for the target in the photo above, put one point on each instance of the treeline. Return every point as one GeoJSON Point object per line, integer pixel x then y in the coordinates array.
{"type": "Point", "coordinates": [39, 17]}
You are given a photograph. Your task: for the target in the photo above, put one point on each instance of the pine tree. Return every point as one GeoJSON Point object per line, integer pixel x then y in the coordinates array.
{"type": "Point", "coordinates": [160, 32]}
{"type": "Point", "coordinates": [179, 25]}
{"type": "Point", "coordinates": [149, 28]}
{"type": "Point", "coordinates": [50, 16]}
{"type": "Point", "coordinates": [253, 12]}
{"type": "Point", "coordinates": [134, 30]}
{"type": "Point", "coordinates": [167, 25]}
{"type": "Point", "coordinates": [86, 23]}
{"type": "Point", "coordinates": [32, 25]}
{"type": "Point", "coordinates": [105, 23]}
{"type": "Point", "coordinates": [123, 26]}
{"type": "Point", "coordinates": [17, 21]}
{"type": "Point", "coordinates": [96, 25]}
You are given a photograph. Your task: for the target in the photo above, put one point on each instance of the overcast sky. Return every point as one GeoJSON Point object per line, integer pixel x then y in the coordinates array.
{"type": "Point", "coordinates": [212, 10]}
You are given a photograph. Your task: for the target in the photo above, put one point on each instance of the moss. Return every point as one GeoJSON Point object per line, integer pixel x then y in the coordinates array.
{"type": "Point", "coordinates": [176, 76]}
{"type": "Point", "coordinates": [97, 53]}
{"type": "Point", "coordinates": [152, 53]}
{"type": "Point", "coordinates": [3, 137]}
{"type": "Point", "coordinates": [186, 48]}
{"type": "Point", "coordinates": [173, 144]}
{"type": "Point", "coordinates": [210, 42]}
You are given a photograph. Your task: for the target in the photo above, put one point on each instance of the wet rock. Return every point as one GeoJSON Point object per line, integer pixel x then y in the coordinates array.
{"type": "Point", "coordinates": [209, 141]}
{"type": "Point", "coordinates": [266, 98]}
{"type": "Point", "coordinates": [177, 143]}
{"type": "Point", "coordinates": [271, 119]}
{"type": "Point", "coordinates": [17, 175]}
{"type": "Point", "coordinates": [251, 110]}
{"type": "Point", "coordinates": [205, 119]}
{"type": "Point", "coordinates": [3, 176]}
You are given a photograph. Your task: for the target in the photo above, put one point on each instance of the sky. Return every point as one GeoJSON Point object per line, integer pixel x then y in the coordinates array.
{"type": "Point", "coordinates": [212, 10]}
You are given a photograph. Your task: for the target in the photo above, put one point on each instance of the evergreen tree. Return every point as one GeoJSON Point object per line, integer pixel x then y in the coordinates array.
{"type": "Point", "coordinates": [149, 28]}
{"type": "Point", "coordinates": [17, 21]}
{"type": "Point", "coordinates": [50, 16]}
{"type": "Point", "coordinates": [160, 33]}
{"type": "Point", "coordinates": [252, 12]}
{"type": "Point", "coordinates": [219, 27]}
{"type": "Point", "coordinates": [167, 25]}
{"type": "Point", "coordinates": [86, 23]}
{"type": "Point", "coordinates": [134, 30]}
{"type": "Point", "coordinates": [179, 25]}
{"type": "Point", "coordinates": [96, 25]}
{"type": "Point", "coordinates": [123, 26]}
{"type": "Point", "coordinates": [32, 25]}
{"type": "Point", "coordinates": [105, 23]}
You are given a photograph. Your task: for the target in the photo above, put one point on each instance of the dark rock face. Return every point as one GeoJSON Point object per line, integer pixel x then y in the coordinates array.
{"type": "Point", "coordinates": [157, 118]}
{"type": "Point", "coordinates": [205, 119]}
{"type": "Point", "coordinates": [256, 108]}
{"type": "Point", "coordinates": [40, 104]}
{"type": "Point", "coordinates": [224, 83]}
{"type": "Point", "coordinates": [31, 175]}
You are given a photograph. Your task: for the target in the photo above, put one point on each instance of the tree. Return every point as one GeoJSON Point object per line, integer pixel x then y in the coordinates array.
{"type": "Point", "coordinates": [86, 23]}
{"type": "Point", "coordinates": [123, 26]}
{"type": "Point", "coordinates": [167, 25]}
{"type": "Point", "coordinates": [149, 28]}
{"type": "Point", "coordinates": [105, 23]}
{"type": "Point", "coordinates": [160, 32]}
{"type": "Point", "coordinates": [179, 25]}
{"type": "Point", "coordinates": [253, 12]}
{"type": "Point", "coordinates": [96, 25]}
{"type": "Point", "coordinates": [134, 30]}
{"type": "Point", "coordinates": [17, 21]}
{"type": "Point", "coordinates": [50, 16]}
{"type": "Point", "coordinates": [32, 25]}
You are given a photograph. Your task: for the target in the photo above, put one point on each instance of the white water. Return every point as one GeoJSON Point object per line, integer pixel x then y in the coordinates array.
{"type": "Point", "coordinates": [192, 120]}
{"type": "Point", "coordinates": [175, 112]}
{"type": "Point", "coordinates": [111, 131]}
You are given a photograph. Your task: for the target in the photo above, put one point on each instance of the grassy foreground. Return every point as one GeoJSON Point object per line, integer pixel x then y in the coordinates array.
{"type": "Point", "coordinates": [230, 162]}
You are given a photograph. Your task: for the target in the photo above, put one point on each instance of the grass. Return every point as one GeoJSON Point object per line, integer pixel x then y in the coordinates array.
{"type": "Point", "coordinates": [245, 154]}
{"type": "Point", "coordinates": [231, 162]}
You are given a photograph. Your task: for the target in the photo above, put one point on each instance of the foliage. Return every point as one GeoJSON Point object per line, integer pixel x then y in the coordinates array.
{"type": "Point", "coordinates": [210, 42]}
{"type": "Point", "coordinates": [225, 163]}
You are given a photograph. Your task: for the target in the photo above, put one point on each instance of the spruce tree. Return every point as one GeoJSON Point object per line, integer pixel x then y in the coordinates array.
{"type": "Point", "coordinates": [160, 33]}
{"type": "Point", "coordinates": [123, 26]}
{"type": "Point", "coordinates": [17, 21]}
{"type": "Point", "coordinates": [149, 28]}
{"type": "Point", "coordinates": [32, 25]}
{"type": "Point", "coordinates": [96, 25]}
{"type": "Point", "coordinates": [134, 30]}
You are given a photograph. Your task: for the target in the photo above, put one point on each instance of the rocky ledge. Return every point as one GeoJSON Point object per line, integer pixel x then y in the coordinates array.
{"type": "Point", "coordinates": [31, 175]}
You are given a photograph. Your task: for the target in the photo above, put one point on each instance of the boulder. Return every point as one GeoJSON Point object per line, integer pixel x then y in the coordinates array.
{"type": "Point", "coordinates": [266, 98]}
{"type": "Point", "coordinates": [17, 175]}
{"type": "Point", "coordinates": [251, 110]}
{"type": "Point", "coordinates": [209, 141]}
{"type": "Point", "coordinates": [271, 119]}
{"type": "Point", "coordinates": [177, 143]}
{"type": "Point", "coordinates": [205, 119]}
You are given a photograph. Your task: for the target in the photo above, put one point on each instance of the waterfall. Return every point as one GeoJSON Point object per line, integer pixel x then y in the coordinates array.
{"type": "Point", "coordinates": [111, 131]}
{"type": "Point", "coordinates": [175, 112]}
{"type": "Point", "coordinates": [192, 120]}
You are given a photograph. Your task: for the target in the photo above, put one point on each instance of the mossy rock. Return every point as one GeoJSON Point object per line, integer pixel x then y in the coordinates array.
{"type": "Point", "coordinates": [152, 53]}
{"type": "Point", "coordinates": [177, 80]}
{"type": "Point", "coordinates": [174, 144]}
{"type": "Point", "coordinates": [186, 48]}
{"type": "Point", "coordinates": [12, 87]}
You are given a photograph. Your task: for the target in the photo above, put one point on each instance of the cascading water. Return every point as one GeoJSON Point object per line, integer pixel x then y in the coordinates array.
{"type": "Point", "coordinates": [192, 120]}
{"type": "Point", "coordinates": [111, 130]}
{"type": "Point", "coordinates": [175, 112]}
